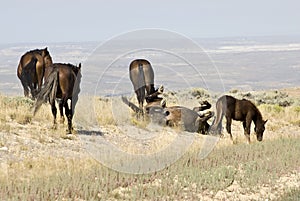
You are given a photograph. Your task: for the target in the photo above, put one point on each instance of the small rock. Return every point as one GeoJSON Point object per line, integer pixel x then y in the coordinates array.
{"type": "Point", "coordinates": [3, 149]}
{"type": "Point", "coordinates": [69, 137]}
{"type": "Point", "coordinates": [220, 195]}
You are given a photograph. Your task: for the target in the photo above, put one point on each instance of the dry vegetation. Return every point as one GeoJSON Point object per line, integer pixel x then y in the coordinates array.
{"type": "Point", "coordinates": [39, 163]}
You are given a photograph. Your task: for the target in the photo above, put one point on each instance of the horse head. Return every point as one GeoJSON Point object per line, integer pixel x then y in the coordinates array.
{"type": "Point", "coordinates": [46, 57]}
{"type": "Point", "coordinates": [259, 129]}
{"type": "Point", "coordinates": [44, 52]}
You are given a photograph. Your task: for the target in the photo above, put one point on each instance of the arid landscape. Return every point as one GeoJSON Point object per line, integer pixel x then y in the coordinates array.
{"type": "Point", "coordinates": [39, 163]}
{"type": "Point", "coordinates": [114, 156]}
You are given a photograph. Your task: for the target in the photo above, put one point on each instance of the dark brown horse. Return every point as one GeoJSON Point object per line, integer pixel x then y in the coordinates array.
{"type": "Point", "coordinates": [27, 77]}
{"type": "Point", "coordinates": [31, 70]}
{"type": "Point", "coordinates": [142, 78]}
{"type": "Point", "coordinates": [240, 110]}
{"type": "Point", "coordinates": [61, 82]}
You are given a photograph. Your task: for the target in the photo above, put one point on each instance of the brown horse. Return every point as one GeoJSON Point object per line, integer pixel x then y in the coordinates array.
{"type": "Point", "coordinates": [240, 110]}
{"type": "Point", "coordinates": [27, 76]}
{"type": "Point", "coordinates": [61, 82]}
{"type": "Point", "coordinates": [189, 120]}
{"type": "Point", "coordinates": [142, 77]}
{"type": "Point", "coordinates": [31, 70]}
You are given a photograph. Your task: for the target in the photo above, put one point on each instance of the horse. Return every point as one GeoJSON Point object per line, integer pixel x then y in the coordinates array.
{"type": "Point", "coordinates": [28, 74]}
{"type": "Point", "coordinates": [31, 69]}
{"type": "Point", "coordinates": [142, 77]}
{"type": "Point", "coordinates": [189, 120]}
{"type": "Point", "coordinates": [61, 82]}
{"type": "Point", "coordinates": [239, 110]}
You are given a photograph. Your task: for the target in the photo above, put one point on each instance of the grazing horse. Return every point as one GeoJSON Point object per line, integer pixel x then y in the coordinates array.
{"type": "Point", "coordinates": [61, 82]}
{"type": "Point", "coordinates": [240, 110]}
{"type": "Point", "coordinates": [31, 70]}
{"type": "Point", "coordinates": [142, 78]}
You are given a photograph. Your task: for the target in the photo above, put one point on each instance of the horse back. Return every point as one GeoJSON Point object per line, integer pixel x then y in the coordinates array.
{"type": "Point", "coordinates": [239, 109]}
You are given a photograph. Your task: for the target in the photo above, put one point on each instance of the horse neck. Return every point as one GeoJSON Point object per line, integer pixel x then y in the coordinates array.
{"type": "Point", "coordinates": [258, 118]}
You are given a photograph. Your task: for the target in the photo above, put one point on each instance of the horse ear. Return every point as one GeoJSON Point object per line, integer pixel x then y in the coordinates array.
{"type": "Point", "coordinates": [79, 66]}
{"type": "Point", "coordinates": [265, 121]}
{"type": "Point", "coordinates": [46, 48]}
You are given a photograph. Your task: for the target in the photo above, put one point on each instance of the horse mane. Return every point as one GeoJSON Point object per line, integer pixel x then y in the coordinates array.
{"type": "Point", "coordinates": [73, 67]}
{"type": "Point", "coordinates": [39, 51]}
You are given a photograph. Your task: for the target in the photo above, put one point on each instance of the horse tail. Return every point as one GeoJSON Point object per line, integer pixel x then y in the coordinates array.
{"type": "Point", "coordinates": [220, 109]}
{"type": "Point", "coordinates": [48, 92]}
{"type": "Point", "coordinates": [141, 81]}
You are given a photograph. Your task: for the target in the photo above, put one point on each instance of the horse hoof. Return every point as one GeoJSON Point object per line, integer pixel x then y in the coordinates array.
{"type": "Point", "coordinates": [70, 137]}
{"type": "Point", "coordinates": [69, 131]}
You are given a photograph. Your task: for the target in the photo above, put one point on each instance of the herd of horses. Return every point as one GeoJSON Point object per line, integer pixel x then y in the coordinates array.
{"type": "Point", "coordinates": [61, 82]}
{"type": "Point", "coordinates": [45, 81]}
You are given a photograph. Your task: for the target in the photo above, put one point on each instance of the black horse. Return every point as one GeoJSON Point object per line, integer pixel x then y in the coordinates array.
{"type": "Point", "coordinates": [240, 110]}
{"type": "Point", "coordinates": [61, 82]}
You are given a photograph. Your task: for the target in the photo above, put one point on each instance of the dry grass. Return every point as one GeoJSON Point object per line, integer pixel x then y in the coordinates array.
{"type": "Point", "coordinates": [189, 178]}
{"type": "Point", "coordinates": [43, 164]}
{"type": "Point", "coordinates": [280, 116]}
{"type": "Point", "coordinates": [291, 195]}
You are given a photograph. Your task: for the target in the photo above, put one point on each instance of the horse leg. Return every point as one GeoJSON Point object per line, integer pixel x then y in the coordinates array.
{"type": "Point", "coordinates": [25, 87]}
{"type": "Point", "coordinates": [150, 89]}
{"type": "Point", "coordinates": [69, 115]}
{"type": "Point", "coordinates": [39, 75]}
{"type": "Point", "coordinates": [247, 126]}
{"type": "Point", "coordinates": [228, 126]}
{"type": "Point", "coordinates": [61, 111]}
{"type": "Point", "coordinates": [54, 112]}
{"type": "Point", "coordinates": [33, 91]}
{"type": "Point", "coordinates": [140, 94]}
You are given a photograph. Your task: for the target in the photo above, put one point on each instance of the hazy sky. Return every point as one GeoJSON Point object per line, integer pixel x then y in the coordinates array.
{"type": "Point", "coordinates": [97, 20]}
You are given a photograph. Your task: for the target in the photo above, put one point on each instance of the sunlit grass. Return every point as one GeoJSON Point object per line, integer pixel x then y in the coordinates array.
{"type": "Point", "coordinates": [58, 178]}
{"type": "Point", "coordinates": [73, 178]}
